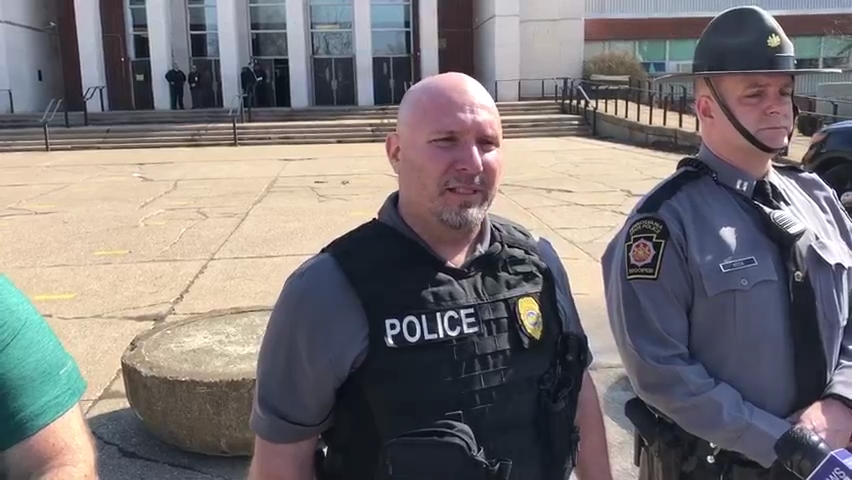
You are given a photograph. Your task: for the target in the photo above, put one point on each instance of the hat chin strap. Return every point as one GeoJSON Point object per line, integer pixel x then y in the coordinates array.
{"type": "Point", "coordinates": [739, 126]}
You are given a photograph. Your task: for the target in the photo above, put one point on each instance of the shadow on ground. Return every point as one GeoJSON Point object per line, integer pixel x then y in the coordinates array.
{"type": "Point", "coordinates": [127, 451]}
{"type": "Point", "coordinates": [614, 398]}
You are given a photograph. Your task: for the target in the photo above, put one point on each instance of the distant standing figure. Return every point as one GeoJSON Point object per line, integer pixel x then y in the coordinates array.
{"type": "Point", "coordinates": [176, 79]}
{"type": "Point", "coordinates": [195, 88]}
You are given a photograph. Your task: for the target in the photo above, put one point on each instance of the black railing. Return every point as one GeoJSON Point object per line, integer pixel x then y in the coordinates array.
{"type": "Point", "coordinates": [237, 111]}
{"type": "Point", "coordinates": [10, 97]}
{"type": "Point", "coordinates": [530, 88]}
{"type": "Point", "coordinates": [816, 112]}
{"type": "Point", "coordinates": [576, 101]}
{"type": "Point", "coordinates": [49, 113]}
{"type": "Point", "coordinates": [90, 94]}
{"type": "Point", "coordinates": [647, 99]}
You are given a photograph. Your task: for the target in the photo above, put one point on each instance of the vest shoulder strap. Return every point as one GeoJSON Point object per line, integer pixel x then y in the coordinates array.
{"type": "Point", "coordinates": [514, 234]}
{"type": "Point", "coordinates": [689, 170]}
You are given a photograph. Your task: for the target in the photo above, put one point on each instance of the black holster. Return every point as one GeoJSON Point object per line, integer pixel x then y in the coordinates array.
{"type": "Point", "coordinates": [664, 451]}
{"type": "Point", "coordinates": [559, 395]}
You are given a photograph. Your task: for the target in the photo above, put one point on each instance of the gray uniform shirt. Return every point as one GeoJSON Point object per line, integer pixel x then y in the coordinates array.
{"type": "Point", "coordinates": [705, 335]}
{"type": "Point", "coordinates": [317, 335]}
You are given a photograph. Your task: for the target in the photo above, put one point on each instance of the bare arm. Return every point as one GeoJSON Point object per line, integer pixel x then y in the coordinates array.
{"type": "Point", "coordinates": [593, 462]}
{"type": "Point", "coordinates": [286, 461]}
{"type": "Point", "coordinates": [62, 450]}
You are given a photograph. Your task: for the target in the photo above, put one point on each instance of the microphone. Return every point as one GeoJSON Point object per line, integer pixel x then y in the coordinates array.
{"type": "Point", "coordinates": [806, 455]}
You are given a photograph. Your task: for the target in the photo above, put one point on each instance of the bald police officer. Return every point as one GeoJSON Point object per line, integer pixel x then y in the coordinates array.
{"type": "Point", "coordinates": [728, 286]}
{"type": "Point", "coordinates": [433, 331]}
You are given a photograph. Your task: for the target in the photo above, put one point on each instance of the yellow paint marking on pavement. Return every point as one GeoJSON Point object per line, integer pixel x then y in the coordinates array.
{"type": "Point", "coordinates": [104, 253]}
{"type": "Point", "coordinates": [54, 296]}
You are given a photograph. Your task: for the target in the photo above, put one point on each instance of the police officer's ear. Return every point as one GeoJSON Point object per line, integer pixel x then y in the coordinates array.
{"type": "Point", "coordinates": [392, 151]}
{"type": "Point", "coordinates": [703, 106]}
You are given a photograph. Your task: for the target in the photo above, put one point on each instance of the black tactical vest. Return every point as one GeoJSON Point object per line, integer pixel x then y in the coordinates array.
{"type": "Point", "coordinates": [477, 345]}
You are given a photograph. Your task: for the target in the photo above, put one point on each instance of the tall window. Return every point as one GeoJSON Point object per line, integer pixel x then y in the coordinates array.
{"type": "Point", "coordinates": [268, 27]}
{"type": "Point", "coordinates": [268, 24]}
{"type": "Point", "coordinates": [333, 52]}
{"type": "Point", "coordinates": [681, 52]}
{"type": "Point", "coordinates": [836, 52]}
{"type": "Point", "coordinates": [807, 51]}
{"type": "Point", "coordinates": [392, 49]}
{"type": "Point", "coordinates": [652, 54]}
{"type": "Point", "coordinates": [204, 50]}
{"type": "Point", "coordinates": [140, 55]}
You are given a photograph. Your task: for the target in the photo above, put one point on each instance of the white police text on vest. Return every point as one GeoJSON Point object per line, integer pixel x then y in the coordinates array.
{"type": "Point", "coordinates": [419, 328]}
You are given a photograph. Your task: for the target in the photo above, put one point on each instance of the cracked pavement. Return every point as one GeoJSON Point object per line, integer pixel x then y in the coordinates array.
{"type": "Point", "coordinates": [109, 243]}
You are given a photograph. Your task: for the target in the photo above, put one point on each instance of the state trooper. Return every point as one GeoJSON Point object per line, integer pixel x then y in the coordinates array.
{"type": "Point", "coordinates": [437, 340]}
{"type": "Point", "coordinates": [727, 288]}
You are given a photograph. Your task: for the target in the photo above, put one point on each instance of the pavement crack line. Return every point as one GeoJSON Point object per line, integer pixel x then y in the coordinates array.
{"type": "Point", "coordinates": [160, 195]}
{"type": "Point", "coordinates": [130, 455]}
{"type": "Point", "coordinates": [52, 190]}
{"type": "Point", "coordinates": [259, 198]}
{"type": "Point", "coordinates": [539, 219]}
{"type": "Point", "coordinates": [183, 231]}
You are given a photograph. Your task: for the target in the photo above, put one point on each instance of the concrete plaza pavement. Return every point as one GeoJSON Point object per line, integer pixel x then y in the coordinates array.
{"type": "Point", "coordinates": [109, 243]}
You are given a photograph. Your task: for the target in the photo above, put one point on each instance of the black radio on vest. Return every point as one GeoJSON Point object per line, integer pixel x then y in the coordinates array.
{"type": "Point", "coordinates": [469, 374]}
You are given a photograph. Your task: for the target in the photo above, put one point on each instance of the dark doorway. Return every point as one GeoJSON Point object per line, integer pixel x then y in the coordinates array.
{"type": "Point", "coordinates": [278, 70]}
{"type": "Point", "coordinates": [143, 92]}
{"type": "Point", "coordinates": [391, 78]}
{"type": "Point", "coordinates": [455, 36]}
{"type": "Point", "coordinates": [210, 81]}
{"type": "Point", "coordinates": [334, 81]}
{"type": "Point", "coordinates": [117, 73]}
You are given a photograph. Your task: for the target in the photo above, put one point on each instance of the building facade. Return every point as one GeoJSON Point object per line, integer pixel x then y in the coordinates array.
{"type": "Point", "coordinates": [315, 53]}
{"type": "Point", "coordinates": [821, 30]}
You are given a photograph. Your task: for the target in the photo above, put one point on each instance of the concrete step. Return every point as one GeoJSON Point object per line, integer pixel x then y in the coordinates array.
{"type": "Point", "coordinates": [317, 136]}
{"type": "Point", "coordinates": [61, 145]}
{"type": "Point", "coordinates": [538, 123]}
{"type": "Point", "coordinates": [385, 126]}
{"type": "Point", "coordinates": [21, 120]}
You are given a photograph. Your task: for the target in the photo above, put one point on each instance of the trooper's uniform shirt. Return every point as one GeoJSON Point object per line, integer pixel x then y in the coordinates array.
{"type": "Point", "coordinates": [699, 306]}
{"type": "Point", "coordinates": [322, 333]}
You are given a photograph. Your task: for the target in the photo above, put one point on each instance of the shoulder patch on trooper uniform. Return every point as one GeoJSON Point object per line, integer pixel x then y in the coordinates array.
{"type": "Point", "coordinates": [646, 243]}
{"type": "Point", "coordinates": [529, 315]}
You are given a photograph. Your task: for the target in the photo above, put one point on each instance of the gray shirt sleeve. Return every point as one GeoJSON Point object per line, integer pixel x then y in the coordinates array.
{"type": "Point", "coordinates": [841, 379]}
{"type": "Point", "coordinates": [649, 320]}
{"type": "Point", "coordinates": [317, 334]}
{"type": "Point", "coordinates": [564, 298]}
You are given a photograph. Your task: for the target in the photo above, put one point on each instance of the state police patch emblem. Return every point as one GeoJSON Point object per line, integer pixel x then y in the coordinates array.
{"type": "Point", "coordinates": [644, 249]}
{"type": "Point", "coordinates": [529, 315]}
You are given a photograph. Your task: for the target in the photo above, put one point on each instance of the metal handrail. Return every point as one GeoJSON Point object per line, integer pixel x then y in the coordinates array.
{"type": "Point", "coordinates": [237, 110]}
{"type": "Point", "coordinates": [49, 113]}
{"type": "Point", "coordinates": [568, 97]}
{"type": "Point", "coordinates": [11, 99]}
{"type": "Point", "coordinates": [520, 82]}
{"type": "Point", "coordinates": [642, 93]}
{"type": "Point", "coordinates": [88, 95]}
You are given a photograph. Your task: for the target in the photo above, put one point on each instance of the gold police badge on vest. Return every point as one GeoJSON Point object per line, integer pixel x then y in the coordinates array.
{"type": "Point", "coordinates": [529, 315]}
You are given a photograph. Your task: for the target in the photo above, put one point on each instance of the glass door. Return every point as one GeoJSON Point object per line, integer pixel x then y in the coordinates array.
{"type": "Point", "coordinates": [333, 52]}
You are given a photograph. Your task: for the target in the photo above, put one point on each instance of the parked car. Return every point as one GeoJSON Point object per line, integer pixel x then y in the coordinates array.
{"type": "Point", "coordinates": [830, 157]}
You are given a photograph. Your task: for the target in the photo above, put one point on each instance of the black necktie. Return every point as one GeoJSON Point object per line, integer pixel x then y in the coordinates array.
{"type": "Point", "coordinates": [764, 195]}
{"type": "Point", "coordinates": [808, 353]}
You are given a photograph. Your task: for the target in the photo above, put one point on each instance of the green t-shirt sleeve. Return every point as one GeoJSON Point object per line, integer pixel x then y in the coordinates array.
{"type": "Point", "coordinates": [39, 380]}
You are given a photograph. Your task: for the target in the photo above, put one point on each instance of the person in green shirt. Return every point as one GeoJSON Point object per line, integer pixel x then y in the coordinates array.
{"type": "Point", "coordinates": [43, 433]}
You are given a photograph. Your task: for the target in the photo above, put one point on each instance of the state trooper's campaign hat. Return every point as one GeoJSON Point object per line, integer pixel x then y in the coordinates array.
{"type": "Point", "coordinates": [744, 40]}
